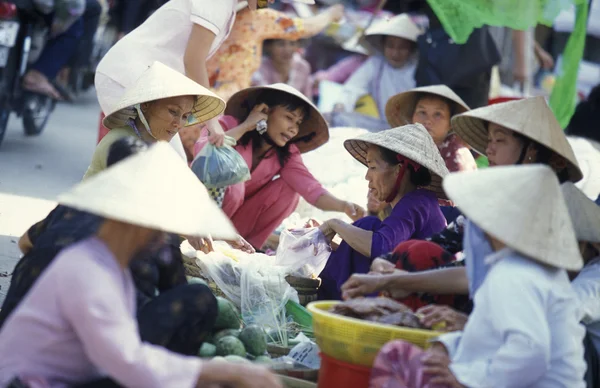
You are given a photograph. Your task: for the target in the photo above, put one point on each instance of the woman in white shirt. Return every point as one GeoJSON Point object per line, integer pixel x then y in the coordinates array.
{"type": "Point", "coordinates": [524, 330]}
{"type": "Point", "coordinates": [381, 76]}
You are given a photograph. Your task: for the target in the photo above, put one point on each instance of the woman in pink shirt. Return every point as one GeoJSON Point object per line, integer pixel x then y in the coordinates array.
{"type": "Point", "coordinates": [279, 177]}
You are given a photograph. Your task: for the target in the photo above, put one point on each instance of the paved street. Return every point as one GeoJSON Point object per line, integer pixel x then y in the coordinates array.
{"type": "Point", "coordinates": [33, 171]}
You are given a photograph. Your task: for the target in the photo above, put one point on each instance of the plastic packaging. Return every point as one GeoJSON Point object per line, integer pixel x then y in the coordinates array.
{"type": "Point", "coordinates": [219, 167]}
{"type": "Point", "coordinates": [304, 252]}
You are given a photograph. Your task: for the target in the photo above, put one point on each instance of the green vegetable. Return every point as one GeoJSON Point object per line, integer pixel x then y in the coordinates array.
{"type": "Point", "coordinates": [224, 333]}
{"type": "Point", "coordinates": [207, 350]}
{"type": "Point", "coordinates": [265, 360]}
{"type": "Point", "coordinates": [230, 345]}
{"type": "Point", "coordinates": [194, 280]}
{"type": "Point", "coordinates": [228, 316]}
{"type": "Point", "coordinates": [254, 340]}
{"type": "Point", "coordinates": [219, 358]}
{"type": "Point", "coordinates": [237, 359]}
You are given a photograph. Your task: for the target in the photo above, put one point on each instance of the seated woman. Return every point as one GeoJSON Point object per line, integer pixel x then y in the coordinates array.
{"type": "Point", "coordinates": [434, 106]}
{"type": "Point", "coordinates": [159, 269]}
{"type": "Point", "coordinates": [273, 154]}
{"type": "Point", "coordinates": [385, 74]}
{"type": "Point", "coordinates": [404, 170]}
{"type": "Point", "coordinates": [282, 63]}
{"type": "Point", "coordinates": [507, 136]}
{"type": "Point", "coordinates": [155, 108]}
{"type": "Point", "coordinates": [76, 326]}
{"type": "Point", "coordinates": [524, 330]}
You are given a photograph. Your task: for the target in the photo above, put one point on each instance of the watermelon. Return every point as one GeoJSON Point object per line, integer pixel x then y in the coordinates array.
{"type": "Point", "coordinates": [254, 339]}
{"type": "Point", "coordinates": [264, 360]}
{"type": "Point", "coordinates": [230, 345]}
{"type": "Point", "coordinates": [228, 316]}
{"type": "Point", "coordinates": [207, 350]}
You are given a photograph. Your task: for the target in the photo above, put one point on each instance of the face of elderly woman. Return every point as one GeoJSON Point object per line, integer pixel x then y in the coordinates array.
{"type": "Point", "coordinates": [434, 114]}
{"type": "Point", "coordinates": [504, 148]}
{"type": "Point", "coordinates": [166, 117]}
{"type": "Point", "coordinates": [397, 50]}
{"type": "Point", "coordinates": [380, 174]}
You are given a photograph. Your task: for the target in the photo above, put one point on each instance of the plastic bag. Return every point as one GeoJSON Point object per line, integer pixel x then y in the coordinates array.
{"type": "Point", "coordinates": [303, 252]}
{"type": "Point", "coordinates": [219, 167]}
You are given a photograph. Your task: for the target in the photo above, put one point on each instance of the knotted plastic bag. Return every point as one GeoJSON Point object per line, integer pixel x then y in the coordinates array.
{"type": "Point", "coordinates": [219, 167]}
{"type": "Point", "coordinates": [304, 252]}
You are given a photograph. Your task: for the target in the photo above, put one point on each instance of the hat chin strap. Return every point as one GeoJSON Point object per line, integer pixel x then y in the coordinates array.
{"type": "Point", "coordinates": [143, 119]}
{"type": "Point", "coordinates": [405, 163]}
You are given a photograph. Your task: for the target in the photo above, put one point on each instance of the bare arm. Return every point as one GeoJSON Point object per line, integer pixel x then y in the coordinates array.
{"type": "Point", "coordinates": [520, 65]}
{"type": "Point", "coordinates": [315, 24]}
{"type": "Point", "coordinates": [194, 60]}
{"type": "Point", "coordinates": [359, 239]}
{"type": "Point", "coordinates": [438, 281]}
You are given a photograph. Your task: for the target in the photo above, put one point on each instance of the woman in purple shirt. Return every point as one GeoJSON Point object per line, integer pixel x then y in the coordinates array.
{"type": "Point", "coordinates": [413, 197]}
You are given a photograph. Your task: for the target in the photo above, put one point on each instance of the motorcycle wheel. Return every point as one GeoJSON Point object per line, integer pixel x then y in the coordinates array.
{"type": "Point", "coordinates": [36, 112]}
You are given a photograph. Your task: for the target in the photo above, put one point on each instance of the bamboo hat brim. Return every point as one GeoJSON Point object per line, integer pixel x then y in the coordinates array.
{"type": "Point", "coordinates": [584, 213]}
{"type": "Point", "coordinates": [400, 26]}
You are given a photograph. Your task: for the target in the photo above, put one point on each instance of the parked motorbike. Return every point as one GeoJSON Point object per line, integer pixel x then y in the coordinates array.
{"type": "Point", "coordinates": [22, 36]}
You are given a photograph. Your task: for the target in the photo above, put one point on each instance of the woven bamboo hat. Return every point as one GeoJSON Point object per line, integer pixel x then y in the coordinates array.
{"type": "Point", "coordinates": [158, 82]}
{"type": "Point", "coordinates": [530, 117]}
{"type": "Point", "coordinates": [240, 104]}
{"type": "Point", "coordinates": [521, 206]}
{"type": "Point", "coordinates": [411, 141]}
{"type": "Point", "coordinates": [152, 189]}
{"type": "Point", "coordinates": [400, 108]}
{"type": "Point", "coordinates": [400, 26]}
{"type": "Point", "coordinates": [584, 212]}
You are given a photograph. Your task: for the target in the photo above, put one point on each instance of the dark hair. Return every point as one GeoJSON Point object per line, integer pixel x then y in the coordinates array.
{"type": "Point", "coordinates": [413, 45]}
{"type": "Point", "coordinates": [584, 122]}
{"type": "Point", "coordinates": [274, 98]}
{"type": "Point", "coordinates": [451, 104]}
{"type": "Point", "coordinates": [123, 148]}
{"type": "Point", "coordinates": [421, 177]}
{"type": "Point", "coordinates": [544, 155]}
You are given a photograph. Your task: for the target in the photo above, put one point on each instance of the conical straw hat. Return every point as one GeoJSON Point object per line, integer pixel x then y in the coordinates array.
{"type": "Point", "coordinates": [400, 108]}
{"type": "Point", "coordinates": [587, 153]}
{"type": "Point", "coordinates": [400, 26]}
{"type": "Point", "coordinates": [521, 206]}
{"type": "Point", "coordinates": [160, 81]}
{"type": "Point", "coordinates": [240, 104]}
{"type": "Point", "coordinates": [411, 141]}
{"type": "Point", "coordinates": [530, 117]}
{"type": "Point", "coordinates": [152, 189]}
{"type": "Point", "coordinates": [584, 213]}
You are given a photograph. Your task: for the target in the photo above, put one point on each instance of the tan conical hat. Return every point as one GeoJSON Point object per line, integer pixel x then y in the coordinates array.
{"type": "Point", "coordinates": [411, 141]}
{"type": "Point", "coordinates": [584, 213]}
{"type": "Point", "coordinates": [160, 81]}
{"type": "Point", "coordinates": [239, 104]}
{"type": "Point", "coordinates": [400, 26]}
{"type": "Point", "coordinates": [530, 117]}
{"type": "Point", "coordinates": [400, 108]}
{"type": "Point", "coordinates": [521, 206]}
{"type": "Point", "coordinates": [152, 189]}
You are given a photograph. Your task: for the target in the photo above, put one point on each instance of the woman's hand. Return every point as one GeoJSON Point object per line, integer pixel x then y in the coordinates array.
{"type": "Point", "coordinates": [354, 211]}
{"type": "Point", "coordinates": [216, 135]}
{"type": "Point", "coordinates": [382, 267]}
{"type": "Point", "coordinates": [544, 58]}
{"type": "Point", "coordinates": [433, 315]}
{"type": "Point", "coordinates": [204, 244]}
{"type": "Point", "coordinates": [258, 113]}
{"type": "Point", "coordinates": [242, 245]}
{"type": "Point", "coordinates": [327, 229]}
{"type": "Point", "coordinates": [437, 365]}
{"type": "Point", "coordinates": [360, 285]}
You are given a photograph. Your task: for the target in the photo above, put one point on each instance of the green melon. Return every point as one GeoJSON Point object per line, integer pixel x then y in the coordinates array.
{"type": "Point", "coordinates": [254, 339]}
{"type": "Point", "coordinates": [237, 359]}
{"type": "Point", "coordinates": [224, 333]}
{"type": "Point", "coordinates": [228, 316]}
{"type": "Point", "coordinates": [230, 346]}
{"type": "Point", "coordinates": [264, 360]}
{"type": "Point", "coordinates": [207, 350]}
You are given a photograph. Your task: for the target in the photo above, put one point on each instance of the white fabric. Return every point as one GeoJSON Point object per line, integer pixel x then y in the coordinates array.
{"type": "Point", "coordinates": [565, 20]}
{"type": "Point", "coordinates": [79, 320]}
{"type": "Point", "coordinates": [524, 329]}
{"type": "Point", "coordinates": [588, 157]}
{"type": "Point", "coordinates": [587, 288]}
{"type": "Point", "coordinates": [377, 78]}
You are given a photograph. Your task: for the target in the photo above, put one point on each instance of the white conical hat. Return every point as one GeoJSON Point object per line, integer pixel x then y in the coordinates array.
{"type": "Point", "coordinates": [584, 213]}
{"type": "Point", "coordinates": [160, 81]}
{"type": "Point", "coordinates": [400, 26]}
{"type": "Point", "coordinates": [411, 141]}
{"type": "Point", "coordinates": [399, 109]}
{"type": "Point", "coordinates": [152, 189]}
{"type": "Point", "coordinates": [587, 152]}
{"type": "Point", "coordinates": [530, 117]}
{"type": "Point", "coordinates": [521, 206]}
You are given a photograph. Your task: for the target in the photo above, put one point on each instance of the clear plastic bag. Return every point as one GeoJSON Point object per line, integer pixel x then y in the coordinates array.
{"type": "Point", "coordinates": [303, 252]}
{"type": "Point", "coordinates": [219, 167]}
